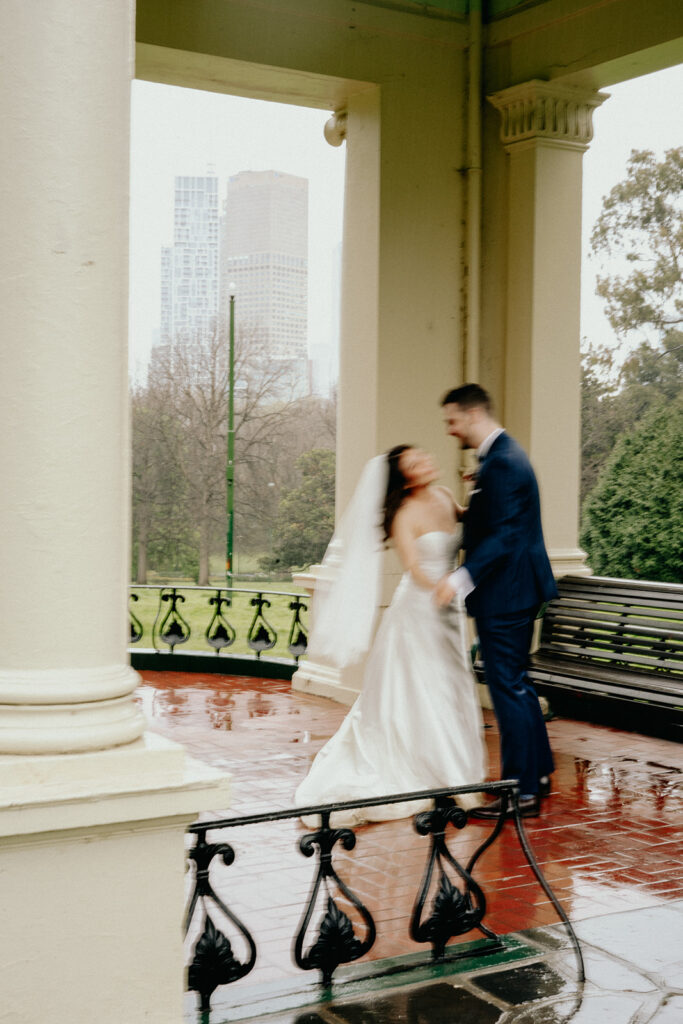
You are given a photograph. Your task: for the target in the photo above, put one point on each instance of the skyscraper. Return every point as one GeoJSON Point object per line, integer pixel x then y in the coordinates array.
{"type": "Point", "coordinates": [189, 267]}
{"type": "Point", "coordinates": [265, 253]}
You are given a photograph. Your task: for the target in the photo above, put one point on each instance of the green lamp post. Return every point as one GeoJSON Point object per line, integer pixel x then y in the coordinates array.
{"type": "Point", "coordinates": [230, 467]}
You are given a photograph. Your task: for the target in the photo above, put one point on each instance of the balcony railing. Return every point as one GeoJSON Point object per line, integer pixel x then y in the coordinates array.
{"type": "Point", "coordinates": [458, 901]}
{"type": "Point", "coordinates": [218, 620]}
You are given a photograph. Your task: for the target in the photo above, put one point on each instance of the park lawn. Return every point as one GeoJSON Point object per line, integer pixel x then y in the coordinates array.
{"type": "Point", "coordinates": [197, 612]}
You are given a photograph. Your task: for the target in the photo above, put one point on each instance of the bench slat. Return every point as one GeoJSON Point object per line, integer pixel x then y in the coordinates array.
{"type": "Point", "coordinates": [670, 603]}
{"type": "Point", "coordinates": [671, 701]}
{"type": "Point", "coordinates": [606, 583]}
{"type": "Point", "coordinates": [599, 608]}
{"type": "Point", "coordinates": [595, 671]}
{"type": "Point", "coordinates": [568, 625]}
{"type": "Point", "coordinates": [609, 655]}
{"type": "Point", "coordinates": [586, 639]}
{"type": "Point", "coordinates": [616, 611]}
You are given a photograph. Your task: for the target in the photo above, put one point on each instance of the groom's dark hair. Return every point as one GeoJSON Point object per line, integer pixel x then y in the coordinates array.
{"type": "Point", "coordinates": [468, 396]}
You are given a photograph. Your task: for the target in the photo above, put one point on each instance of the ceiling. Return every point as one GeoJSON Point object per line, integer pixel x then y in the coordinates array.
{"type": "Point", "coordinates": [458, 9]}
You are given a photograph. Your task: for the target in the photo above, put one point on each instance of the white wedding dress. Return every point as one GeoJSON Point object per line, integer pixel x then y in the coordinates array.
{"type": "Point", "coordinates": [417, 723]}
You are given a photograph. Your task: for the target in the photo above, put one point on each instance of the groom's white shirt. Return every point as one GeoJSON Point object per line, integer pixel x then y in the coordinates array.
{"type": "Point", "coordinates": [460, 580]}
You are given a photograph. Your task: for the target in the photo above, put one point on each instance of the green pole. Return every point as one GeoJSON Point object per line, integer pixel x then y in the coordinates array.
{"type": "Point", "coordinates": [230, 467]}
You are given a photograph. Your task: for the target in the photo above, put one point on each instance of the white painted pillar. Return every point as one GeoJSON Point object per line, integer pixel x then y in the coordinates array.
{"type": "Point", "coordinates": [401, 338]}
{"type": "Point", "coordinates": [545, 129]}
{"type": "Point", "coordinates": [92, 813]}
{"type": "Point", "coordinates": [65, 682]}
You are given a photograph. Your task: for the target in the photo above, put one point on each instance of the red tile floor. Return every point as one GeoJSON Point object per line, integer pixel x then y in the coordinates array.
{"type": "Point", "coordinates": [609, 837]}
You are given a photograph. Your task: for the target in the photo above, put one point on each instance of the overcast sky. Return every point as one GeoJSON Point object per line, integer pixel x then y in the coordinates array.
{"type": "Point", "coordinates": [185, 131]}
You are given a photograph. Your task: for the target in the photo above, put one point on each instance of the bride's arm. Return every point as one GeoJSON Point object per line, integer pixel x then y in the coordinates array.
{"type": "Point", "coordinates": [403, 536]}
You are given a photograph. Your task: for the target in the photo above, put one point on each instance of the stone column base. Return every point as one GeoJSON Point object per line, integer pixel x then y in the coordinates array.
{"type": "Point", "coordinates": [93, 865]}
{"type": "Point", "coordinates": [568, 561]}
{"type": "Point", "coordinates": [324, 681]}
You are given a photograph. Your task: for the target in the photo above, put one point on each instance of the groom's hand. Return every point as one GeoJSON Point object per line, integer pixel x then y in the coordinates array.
{"type": "Point", "coordinates": [444, 592]}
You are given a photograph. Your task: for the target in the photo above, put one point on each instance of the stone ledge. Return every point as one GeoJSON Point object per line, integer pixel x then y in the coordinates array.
{"type": "Point", "coordinates": [150, 779]}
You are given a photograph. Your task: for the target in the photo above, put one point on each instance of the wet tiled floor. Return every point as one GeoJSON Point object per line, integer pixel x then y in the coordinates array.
{"type": "Point", "coordinates": [608, 839]}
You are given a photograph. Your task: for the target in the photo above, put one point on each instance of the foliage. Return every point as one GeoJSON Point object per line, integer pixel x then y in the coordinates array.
{"type": "Point", "coordinates": [633, 517]}
{"type": "Point", "coordinates": [305, 519]}
{"type": "Point", "coordinates": [640, 235]}
{"type": "Point", "coordinates": [641, 228]}
{"type": "Point", "coordinates": [648, 377]}
{"type": "Point", "coordinates": [180, 442]}
{"type": "Point", "coordinates": [164, 536]}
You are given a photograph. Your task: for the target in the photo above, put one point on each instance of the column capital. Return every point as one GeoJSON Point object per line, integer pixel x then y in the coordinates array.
{"type": "Point", "coordinates": [538, 110]}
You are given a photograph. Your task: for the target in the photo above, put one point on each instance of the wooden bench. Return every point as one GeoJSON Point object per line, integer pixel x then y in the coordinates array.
{"type": "Point", "coordinates": [621, 640]}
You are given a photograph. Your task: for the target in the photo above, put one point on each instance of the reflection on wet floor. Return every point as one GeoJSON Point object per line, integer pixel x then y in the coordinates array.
{"type": "Point", "coordinates": [608, 839]}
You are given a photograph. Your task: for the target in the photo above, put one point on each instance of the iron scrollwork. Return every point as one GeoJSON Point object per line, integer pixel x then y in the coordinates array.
{"type": "Point", "coordinates": [213, 962]}
{"type": "Point", "coordinates": [173, 629]}
{"type": "Point", "coordinates": [261, 636]}
{"type": "Point", "coordinates": [136, 629]}
{"type": "Point", "coordinates": [220, 633]}
{"type": "Point", "coordinates": [455, 911]}
{"type": "Point", "coordinates": [298, 638]}
{"type": "Point", "coordinates": [336, 942]}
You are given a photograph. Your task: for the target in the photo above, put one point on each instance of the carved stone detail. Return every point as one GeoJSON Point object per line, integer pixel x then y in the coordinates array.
{"type": "Point", "coordinates": [544, 110]}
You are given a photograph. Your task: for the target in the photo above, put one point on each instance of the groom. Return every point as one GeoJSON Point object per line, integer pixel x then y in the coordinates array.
{"type": "Point", "coordinates": [504, 580]}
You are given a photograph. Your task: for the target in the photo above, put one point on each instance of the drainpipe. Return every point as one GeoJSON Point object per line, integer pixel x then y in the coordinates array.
{"type": "Point", "coordinates": [473, 191]}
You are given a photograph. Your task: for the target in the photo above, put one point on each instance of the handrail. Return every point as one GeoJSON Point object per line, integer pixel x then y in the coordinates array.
{"type": "Point", "coordinates": [458, 907]}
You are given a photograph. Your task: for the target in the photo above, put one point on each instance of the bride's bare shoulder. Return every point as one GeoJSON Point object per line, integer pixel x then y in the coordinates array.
{"type": "Point", "coordinates": [445, 494]}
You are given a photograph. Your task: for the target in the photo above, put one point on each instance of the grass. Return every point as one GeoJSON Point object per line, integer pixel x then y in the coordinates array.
{"type": "Point", "coordinates": [197, 612]}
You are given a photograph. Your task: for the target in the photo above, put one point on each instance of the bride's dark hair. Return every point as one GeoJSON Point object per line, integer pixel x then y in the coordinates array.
{"type": "Point", "coordinates": [397, 487]}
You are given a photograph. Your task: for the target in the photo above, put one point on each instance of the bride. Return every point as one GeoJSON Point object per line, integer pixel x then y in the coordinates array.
{"type": "Point", "coordinates": [417, 722]}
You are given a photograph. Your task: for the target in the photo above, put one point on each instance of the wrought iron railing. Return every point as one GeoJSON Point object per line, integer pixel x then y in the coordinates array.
{"type": "Point", "coordinates": [458, 900]}
{"type": "Point", "coordinates": [236, 620]}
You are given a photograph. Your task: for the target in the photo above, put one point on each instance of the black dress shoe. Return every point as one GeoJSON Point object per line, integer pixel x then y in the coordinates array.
{"type": "Point", "coordinates": [529, 807]}
{"type": "Point", "coordinates": [544, 785]}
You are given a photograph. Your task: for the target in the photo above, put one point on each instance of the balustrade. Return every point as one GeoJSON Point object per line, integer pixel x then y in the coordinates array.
{"type": "Point", "coordinates": [235, 620]}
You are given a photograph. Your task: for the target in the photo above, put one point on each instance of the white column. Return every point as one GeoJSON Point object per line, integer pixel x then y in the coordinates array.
{"type": "Point", "coordinates": [401, 340]}
{"type": "Point", "coordinates": [358, 420]}
{"type": "Point", "coordinates": [65, 682]}
{"type": "Point", "coordinates": [92, 813]}
{"type": "Point", "coordinates": [545, 129]}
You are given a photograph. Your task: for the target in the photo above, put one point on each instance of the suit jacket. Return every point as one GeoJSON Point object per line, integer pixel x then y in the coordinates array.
{"type": "Point", "coordinates": [503, 539]}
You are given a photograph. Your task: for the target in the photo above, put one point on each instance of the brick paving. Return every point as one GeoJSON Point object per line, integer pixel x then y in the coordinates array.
{"type": "Point", "coordinates": [608, 839]}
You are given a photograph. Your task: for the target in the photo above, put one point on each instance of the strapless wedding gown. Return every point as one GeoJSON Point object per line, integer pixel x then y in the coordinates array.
{"type": "Point", "coordinates": [417, 723]}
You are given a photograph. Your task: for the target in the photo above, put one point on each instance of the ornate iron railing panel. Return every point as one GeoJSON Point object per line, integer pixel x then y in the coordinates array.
{"type": "Point", "coordinates": [237, 620]}
{"type": "Point", "coordinates": [336, 942]}
{"type": "Point", "coordinates": [458, 902]}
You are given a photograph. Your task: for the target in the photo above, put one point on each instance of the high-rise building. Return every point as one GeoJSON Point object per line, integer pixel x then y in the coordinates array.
{"type": "Point", "coordinates": [264, 252]}
{"type": "Point", "coordinates": [189, 267]}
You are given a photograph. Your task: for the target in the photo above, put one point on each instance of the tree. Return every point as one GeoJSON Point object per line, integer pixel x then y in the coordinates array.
{"type": "Point", "coordinates": [640, 234]}
{"type": "Point", "coordinates": [162, 532]}
{"type": "Point", "coordinates": [611, 407]}
{"type": "Point", "coordinates": [641, 227]}
{"type": "Point", "coordinates": [633, 517]}
{"type": "Point", "coordinates": [305, 521]}
{"type": "Point", "coordinates": [179, 441]}
{"type": "Point", "coordinates": [190, 378]}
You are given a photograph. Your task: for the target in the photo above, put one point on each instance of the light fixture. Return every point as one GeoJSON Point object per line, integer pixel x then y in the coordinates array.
{"type": "Point", "coordinates": [334, 129]}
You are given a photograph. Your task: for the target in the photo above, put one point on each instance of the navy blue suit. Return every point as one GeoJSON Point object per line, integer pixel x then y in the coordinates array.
{"type": "Point", "coordinates": [505, 556]}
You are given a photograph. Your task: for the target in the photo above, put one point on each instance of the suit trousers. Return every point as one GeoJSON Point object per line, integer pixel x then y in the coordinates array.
{"type": "Point", "coordinates": [525, 749]}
